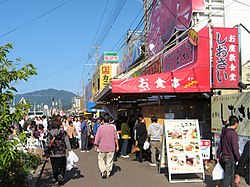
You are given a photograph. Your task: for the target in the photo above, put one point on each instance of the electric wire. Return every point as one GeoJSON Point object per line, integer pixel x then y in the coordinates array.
{"type": "Point", "coordinates": [104, 35]}
{"type": "Point", "coordinates": [241, 3]}
{"type": "Point", "coordinates": [34, 19]}
{"type": "Point", "coordinates": [98, 28]}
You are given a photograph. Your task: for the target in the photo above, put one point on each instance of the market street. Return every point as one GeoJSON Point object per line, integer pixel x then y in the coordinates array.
{"type": "Point", "coordinates": [125, 173]}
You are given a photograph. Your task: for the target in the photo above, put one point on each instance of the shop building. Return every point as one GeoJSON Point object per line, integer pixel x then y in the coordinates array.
{"type": "Point", "coordinates": [189, 53]}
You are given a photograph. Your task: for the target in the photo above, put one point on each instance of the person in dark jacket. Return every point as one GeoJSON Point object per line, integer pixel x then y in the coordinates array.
{"type": "Point", "coordinates": [242, 168]}
{"type": "Point", "coordinates": [229, 153]}
{"type": "Point", "coordinates": [141, 136]}
{"type": "Point", "coordinates": [57, 144]}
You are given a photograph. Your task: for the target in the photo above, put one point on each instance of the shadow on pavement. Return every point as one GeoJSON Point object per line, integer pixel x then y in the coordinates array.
{"type": "Point", "coordinates": [74, 173]}
{"type": "Point", "coordinates": [115, 169]}
{"type": "Point", "coordinates": [48, 180]}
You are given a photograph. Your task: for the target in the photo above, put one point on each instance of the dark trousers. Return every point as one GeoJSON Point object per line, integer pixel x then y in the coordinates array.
{"type": "Point", "coordinates": [229, 171]}
{"type": "Point", "coordinates": [84, 139]}
{"type": "Point", "coordinates": [140, 152]}
{"type": "Point", "coordinates": [58, 166]}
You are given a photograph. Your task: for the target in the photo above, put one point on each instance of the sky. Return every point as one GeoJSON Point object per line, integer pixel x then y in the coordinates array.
{"type": "Point", "coordinates": [58, 36]}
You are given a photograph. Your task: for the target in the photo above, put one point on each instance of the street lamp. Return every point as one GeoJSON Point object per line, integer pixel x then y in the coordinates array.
{"type": "Point", "coordinates": [243, 85]}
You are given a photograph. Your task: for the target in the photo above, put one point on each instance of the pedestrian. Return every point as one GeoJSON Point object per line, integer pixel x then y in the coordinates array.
{"type": "Point", "coordinates": [242, 169]}
{"type": "Point", "coordinates": [106, 142]}
{"type": "Point", "coordinates": [84, 135]}
{"type": "Point", "coordinates": [59, 142]}
{"type": "Point", "coordinates": [229, 153]}
{"type": "Point", "coordinates": [72, 134]}
{"type": "Point", "coordinates": [141, 136]}
{"type": "Point", "coordinates": [77, 125]}
{"type": "Point", "coordinates": [97, 124]}
{"type": "Point", "coordinates": [125, 133]}
{"type": "Point", "coordinates": [155, 131]}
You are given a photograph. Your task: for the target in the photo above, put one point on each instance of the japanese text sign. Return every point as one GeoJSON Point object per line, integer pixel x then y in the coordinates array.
{"type": "Point", "coordinates": [183, 146]}
{"type": "Point", "coordinates": [105, 75]}
{"type": "Point", "coordinates": [225, 58]}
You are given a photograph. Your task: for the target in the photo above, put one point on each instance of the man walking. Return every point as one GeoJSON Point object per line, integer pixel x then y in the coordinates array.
{"type": "Point", "coordinates": [107, 143]}
{"type": "Point", "coordinates": [155, 131]}
{"type": "Point", "coordinates": [229, 153]}
{"type": "Point", "coordinates": [84, 135]}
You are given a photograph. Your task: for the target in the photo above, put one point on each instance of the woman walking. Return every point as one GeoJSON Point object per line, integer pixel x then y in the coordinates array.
{"type": "Point", "coordinates": [58, 143]}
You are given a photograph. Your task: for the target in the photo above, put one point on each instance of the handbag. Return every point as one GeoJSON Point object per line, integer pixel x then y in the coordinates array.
{"type": "Point", "coordinates": [218, 172]}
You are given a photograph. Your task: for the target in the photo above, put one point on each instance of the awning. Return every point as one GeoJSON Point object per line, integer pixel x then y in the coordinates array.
{"type": "Point", "coordinates": [94, 107]}
{"type": "Point", "coordinates": [181, 81]}
{"type": "Point", "coordinates": [186, 69]}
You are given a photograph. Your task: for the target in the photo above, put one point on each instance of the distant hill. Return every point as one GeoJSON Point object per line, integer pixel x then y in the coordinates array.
{"type": "Point", "coordinates": [45, 97]}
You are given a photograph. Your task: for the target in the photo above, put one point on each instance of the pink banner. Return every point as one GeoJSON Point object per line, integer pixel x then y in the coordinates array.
{"type": "Point", "coordinates": [225, 58]}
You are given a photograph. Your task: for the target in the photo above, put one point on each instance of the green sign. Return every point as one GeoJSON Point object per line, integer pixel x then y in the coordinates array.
{"type": "Point", "coordinates": [111, 57]}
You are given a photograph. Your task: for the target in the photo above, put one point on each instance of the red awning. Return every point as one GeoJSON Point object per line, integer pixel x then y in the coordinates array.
{"type": "Point", "coordinates": [192, 80]}
{"type": "Point", "coordinates": [187, 69]}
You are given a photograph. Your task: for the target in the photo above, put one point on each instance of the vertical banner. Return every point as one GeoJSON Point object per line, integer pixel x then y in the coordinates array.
{"type": "Point", "coordinates": [105, 75]}
{"type": "Point", "coordinates": [225, 58]}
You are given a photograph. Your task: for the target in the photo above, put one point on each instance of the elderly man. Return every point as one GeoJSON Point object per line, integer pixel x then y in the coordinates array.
{"type": "Point", "coordinates": [107, 143]}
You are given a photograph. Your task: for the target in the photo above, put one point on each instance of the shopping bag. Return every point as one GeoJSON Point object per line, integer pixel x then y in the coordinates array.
{"type": "Point", "coordinates": [218, 172]}
{"type": "Point", "coordinates": [71, 160]}
{"type": "Point", "coordinates": [146, 145]}
{"type": "Point", "coordinates": [73, 156]}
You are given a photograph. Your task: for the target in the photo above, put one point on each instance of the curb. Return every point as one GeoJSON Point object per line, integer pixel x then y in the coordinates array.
{"type": "Point", "coordinates": [37, 175]}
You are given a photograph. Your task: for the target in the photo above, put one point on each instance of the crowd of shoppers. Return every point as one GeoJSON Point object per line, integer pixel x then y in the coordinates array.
{"type": "Point", "coordinates": [115, 139]}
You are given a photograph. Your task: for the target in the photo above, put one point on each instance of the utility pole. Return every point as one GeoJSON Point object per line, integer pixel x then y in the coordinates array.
{"type": "Point", "coordinates": [96, 54]}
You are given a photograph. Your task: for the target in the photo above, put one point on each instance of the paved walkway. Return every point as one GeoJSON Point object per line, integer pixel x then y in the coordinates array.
{"type": "Point", "coordinates": [126, 173]}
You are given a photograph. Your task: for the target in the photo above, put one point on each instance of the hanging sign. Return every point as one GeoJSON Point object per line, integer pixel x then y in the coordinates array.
{"type": "Point", "coordinates": [226, 58]}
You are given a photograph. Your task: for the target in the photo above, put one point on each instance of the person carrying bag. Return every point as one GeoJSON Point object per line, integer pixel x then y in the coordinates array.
{"type": "Point", "coordinates": [56, 149]}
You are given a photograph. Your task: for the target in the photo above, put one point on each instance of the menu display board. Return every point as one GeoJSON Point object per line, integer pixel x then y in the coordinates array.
{"type": "Point", "coordinates": [183, 147]}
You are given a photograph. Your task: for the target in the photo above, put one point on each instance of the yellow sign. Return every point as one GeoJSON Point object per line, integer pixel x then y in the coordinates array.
{"type": "Point", "coordinates": [105, 75]}
{"type": "Point", "coordinates": [193, 37]}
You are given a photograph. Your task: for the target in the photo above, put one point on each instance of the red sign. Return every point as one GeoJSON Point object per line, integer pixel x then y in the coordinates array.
{"type": "Point", "coordinates": [186, 69]}
{"type": "Point", "coordinates": [205, 143]}
{"type": "Point", "coordinates": [191, 80]}
{"type": "Point", "coordinates": [225, 58]}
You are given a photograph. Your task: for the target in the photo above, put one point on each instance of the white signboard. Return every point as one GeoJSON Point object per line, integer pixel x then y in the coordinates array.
{"type": "Point", "coordinates": [183, 147]}
{"type": "Point", "coordinates": [232, 104]}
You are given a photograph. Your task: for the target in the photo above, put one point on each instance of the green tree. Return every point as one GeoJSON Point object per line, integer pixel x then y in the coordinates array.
{"type": "Point", "coordinates": [11, 72]}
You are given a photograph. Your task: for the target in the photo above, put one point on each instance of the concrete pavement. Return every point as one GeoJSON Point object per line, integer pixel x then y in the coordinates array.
{"type": "Point", "coordinates": [126, 173]}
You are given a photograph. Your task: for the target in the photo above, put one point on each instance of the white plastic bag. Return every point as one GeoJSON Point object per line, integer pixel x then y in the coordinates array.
{"type": "Point", "coordinates": [146, 145]}
{"type": "Point", "coordinates": [218, 172]}
{"type": "Point", "coordinates": [71, 160]}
